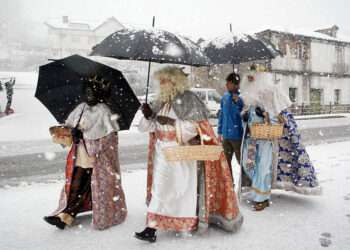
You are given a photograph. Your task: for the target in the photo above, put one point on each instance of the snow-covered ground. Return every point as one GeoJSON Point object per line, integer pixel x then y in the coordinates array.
{"type": "Point", "coordinates": [292, 222]}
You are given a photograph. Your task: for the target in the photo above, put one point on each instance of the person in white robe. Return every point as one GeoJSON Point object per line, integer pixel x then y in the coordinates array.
{"type": "Point", "coordinates": [173, 186]}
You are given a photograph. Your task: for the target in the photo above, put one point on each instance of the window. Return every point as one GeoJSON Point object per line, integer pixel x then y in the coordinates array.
{"type": "Point", "coordinates": [340, 57]}
{"type": "Point", "coordinates": [297, 50]}
{"type": "Point", "coordinates": [293, 94]}
{"type": "Point", "coordinates": [337, 93]}
{"type": "Point", "coordinates": [316, 96]}
{"type": "Point", "coordinates": [300, 51]}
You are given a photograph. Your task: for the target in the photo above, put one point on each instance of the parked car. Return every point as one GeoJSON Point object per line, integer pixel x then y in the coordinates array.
{"type": "Point", "coordinates": [150, 98]}
{"type": "Point", "coordinates": [211, 98]}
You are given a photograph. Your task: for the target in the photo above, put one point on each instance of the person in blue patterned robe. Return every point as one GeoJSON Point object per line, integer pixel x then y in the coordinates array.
{"type": "Point", "coordinates": [294, 170]}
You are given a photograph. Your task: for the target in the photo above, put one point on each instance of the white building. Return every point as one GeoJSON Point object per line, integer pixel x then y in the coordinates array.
{"type": "Point", "coordinates": [67, 37]}
{"type": "Point", "coordinates": [315, 66]}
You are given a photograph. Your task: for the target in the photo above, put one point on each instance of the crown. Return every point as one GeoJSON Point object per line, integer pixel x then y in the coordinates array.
{"type": "Point", "coordinates": [257, 68]}
{"type": "Point", "coordinates": [102, 84]}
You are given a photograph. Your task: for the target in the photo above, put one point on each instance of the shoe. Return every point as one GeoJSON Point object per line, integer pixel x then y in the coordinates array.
{"type": "Point", "coordinates": [259, 206]}
{"type": "Point", "coordinates": [55, 221]}
{"type": "Point", "coordinates": [147, 235]}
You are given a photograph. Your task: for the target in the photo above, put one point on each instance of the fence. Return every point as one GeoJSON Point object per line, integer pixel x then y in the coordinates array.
{"type": "Point", "coordinates": [315, 109]}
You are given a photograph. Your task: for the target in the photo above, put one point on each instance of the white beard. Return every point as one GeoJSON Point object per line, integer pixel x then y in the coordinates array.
{"type": "Point", "coordinates": [168, 91]}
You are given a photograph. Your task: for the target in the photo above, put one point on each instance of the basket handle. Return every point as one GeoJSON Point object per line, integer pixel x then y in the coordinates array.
{"type": "Point", "coordinates": [267, 118]}
{"type": "Point", "coordinates": [200, 134]}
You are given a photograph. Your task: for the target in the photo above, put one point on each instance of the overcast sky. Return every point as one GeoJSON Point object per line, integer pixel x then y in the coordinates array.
{"type": "Point", "coordinates": [195, 18]}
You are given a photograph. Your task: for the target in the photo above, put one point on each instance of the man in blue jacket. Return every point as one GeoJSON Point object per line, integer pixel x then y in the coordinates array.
{"type": "Point", "coordinates": [230, 128]}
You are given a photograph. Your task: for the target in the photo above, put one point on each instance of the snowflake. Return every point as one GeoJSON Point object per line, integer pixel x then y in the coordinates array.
{"type": "Point", "coordinates": [114, 117]}
{"type": "Point", "coordinates": [50, 156]}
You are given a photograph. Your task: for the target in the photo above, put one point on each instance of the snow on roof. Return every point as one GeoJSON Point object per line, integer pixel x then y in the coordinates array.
{"type": "Point", "coordinates": [79, 25]}
{"type": "Point", "coordinates": [223, 40]}
{"type": "Point", "coordinates": [311, 34]}
{"type": "Point", "coordinates": [76, 24]}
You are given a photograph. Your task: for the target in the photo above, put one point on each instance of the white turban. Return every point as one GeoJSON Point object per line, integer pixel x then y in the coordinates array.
{"type": "Point", "coordinates": [264, 92]}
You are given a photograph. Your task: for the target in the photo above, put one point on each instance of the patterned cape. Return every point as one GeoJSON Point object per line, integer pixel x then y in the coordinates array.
{"type": "Point", "coordinates": [293, 169]}
{"type": "Point", "coordinates": [107, 201]}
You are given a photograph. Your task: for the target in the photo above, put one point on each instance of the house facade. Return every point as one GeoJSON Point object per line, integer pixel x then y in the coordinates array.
{"type": "Point", "coordinates": [67, 37]}
{"type": "Point", "coordinates": [314, 68]}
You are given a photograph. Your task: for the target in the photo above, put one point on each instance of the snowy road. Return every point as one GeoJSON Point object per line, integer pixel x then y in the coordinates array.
{"type": "Point", "coordinates": [30, 167]}
{"type": "Point", "coordinates": [292, 222]}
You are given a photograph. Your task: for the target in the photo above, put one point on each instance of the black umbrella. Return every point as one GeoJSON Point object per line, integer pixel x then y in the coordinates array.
{"type": "Point", "coordinates": [152, 46]}
{"type": "Point", "coordinates": [60, 88]}
{"type": "Point", "coordinates": [232, 49]}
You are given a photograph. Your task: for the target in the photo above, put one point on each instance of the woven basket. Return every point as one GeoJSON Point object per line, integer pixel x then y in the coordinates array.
{"type": "Point", "coordinates": [61, 135]}
{"type": "Point", "coordinates": [266, 131]}
{"type": "Point", "coordinates": [193, 152]}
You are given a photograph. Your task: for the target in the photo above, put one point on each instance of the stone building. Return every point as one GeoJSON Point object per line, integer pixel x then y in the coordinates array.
{"type": "Point", "coordinates": [314, 68]}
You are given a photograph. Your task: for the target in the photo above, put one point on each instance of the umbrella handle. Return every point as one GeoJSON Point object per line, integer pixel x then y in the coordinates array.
{"type": "Point", "coordinates": [147, 86]}
{"type": "Point", "coordinates": [149, 64]}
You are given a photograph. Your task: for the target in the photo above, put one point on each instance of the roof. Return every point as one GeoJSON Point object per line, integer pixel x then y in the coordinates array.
{"type": "Point", "coordinates": [310, 34]}
{"type": "Point", "coordinates": [58, 23]}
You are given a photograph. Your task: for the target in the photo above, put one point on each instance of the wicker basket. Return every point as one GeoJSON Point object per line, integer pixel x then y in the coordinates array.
{"type": "Point", "coordinates": [61, 135]}
{"type": "Point", "coordinates": [193, 152]}
{"type": "Point", "coordinates": [266, 131]}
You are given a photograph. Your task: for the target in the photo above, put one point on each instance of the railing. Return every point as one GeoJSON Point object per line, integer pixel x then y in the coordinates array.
{"type": "Point", "coordinates": [315, 109]}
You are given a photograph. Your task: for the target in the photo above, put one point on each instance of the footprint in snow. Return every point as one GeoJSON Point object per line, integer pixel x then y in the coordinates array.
{"type": "Point", "coordinates": [327, 235]}
{"type": "Point", "coordinates": [325, 240]}
{"type": "Point", "coordinates": [347, 197]}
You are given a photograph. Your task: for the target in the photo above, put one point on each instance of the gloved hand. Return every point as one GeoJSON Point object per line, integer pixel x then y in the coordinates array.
{"type": "Point", "coordinates": [259, 111]}
{"type": "Point", "coordinates": [163, 120]}
{"type": "Point", "coordinates": [77, 135]}
{"type": "Point", "coordinates": [146, 110]}
{"type": "Point", "coordinates": [245, 116]}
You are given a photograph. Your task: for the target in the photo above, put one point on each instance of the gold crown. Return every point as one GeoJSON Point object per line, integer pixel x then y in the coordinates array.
{"type": "Point", "coordinates": [103, 84]}
{"type": "Point", "coordinates": [257, 68]}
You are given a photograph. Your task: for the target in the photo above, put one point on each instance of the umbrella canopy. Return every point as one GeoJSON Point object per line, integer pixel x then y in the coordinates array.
{"type": "Point", "coordinates": [151, 45]}
{"type": "Point", "coordinates": [235, 49]}
{"type": "Point", "coordinates": [60, 88]}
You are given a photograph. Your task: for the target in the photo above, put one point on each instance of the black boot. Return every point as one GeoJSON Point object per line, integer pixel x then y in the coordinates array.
{"type": "Point", "coordinates": [54, 220]}
{"type": "Point", "coordinates": [149, 234]}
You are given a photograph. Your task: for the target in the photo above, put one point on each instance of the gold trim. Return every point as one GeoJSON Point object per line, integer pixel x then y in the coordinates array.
{"type": "Point", "coordinates": [66, 218]}
{"type": "Point", "coordinates": [261, 192]}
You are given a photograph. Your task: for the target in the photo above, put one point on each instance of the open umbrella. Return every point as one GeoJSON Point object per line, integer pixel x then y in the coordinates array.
{"type": "Point", "coordinates": [60, 88]}
{"type": "Point", "coordinates": [235, 49]}
{"type": "Point", "coordinates": [152, 46]}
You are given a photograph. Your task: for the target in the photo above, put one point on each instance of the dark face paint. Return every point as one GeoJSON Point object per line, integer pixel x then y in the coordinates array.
{"type": "Point", "coordinates": [91, 98]}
